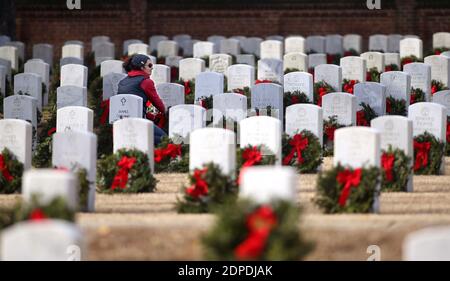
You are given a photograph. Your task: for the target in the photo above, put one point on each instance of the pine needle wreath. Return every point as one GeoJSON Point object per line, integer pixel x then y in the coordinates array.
{"type": "Point", "coordinates": [174, 73]}
{"type": "Point", "coordinates": [437, 86]}
{"type": "Point", "coordinates": [83, 191]}
{"type": "Point", "coordinates": [438, 51]}
{"type": "Point", "coordinates": [365, 115]}
{"type": "Point", "coordinates": [171, 157]}
{"type": "Point", "coordinates": [42, 156]}
{"type": "Point", "coordinates": [264, 81]}
{"type": "Point", "coordinates": [205, 102]}
{"type": "Point", "coordinates": [333, 59]}
{"type": "Point", "coordinates": [290, 69]}
{"type": "Point", "coordinates": [348, 85]}
{"type": "Point", "coordinates": [409, 59]}
{"type": "Point", "coordinates": [396, 168]}
{"type": "Point", "coordinates": [210, 190]}
{"type": "Point", "coordinates": [34, 210]}
{"type": "Point", "coordinates": [428, 152]}
{"type": "Point", "coordinates": [391, 67]}
{"type": "Point", "coordinates": [246, 92]}
{"type": "Point", "coordinates": [417, 95]}
{"type": "Point", "coordinates": [329, 127]}
{"type": "Point", "coordinates": [321, 89]}
{"type": "Point", "coordinates": [189, 90]}
{"type": "Point", "coordinates": [295, 97]}
{"type": "Point", "coordinates": [104, 139]}
{"type": "Point", "coordinates": [351, 52]}
{"type": "Point", "coordinates": [247, 231]}
{"type": "Point", "coordinates": [308, 144]}
{"type": "Point", "coordinates": [11, 171]}
{"type": "Point", "coordinates": [254, 155]}
{"type": "Point", "coordinates": [395, 106]}
{"type": "Point", "coordinates": [373, 75]}
{"type": "Point", "coordinates": [362, 185]}
{"type": "Point", "coordinates": [132, 176]}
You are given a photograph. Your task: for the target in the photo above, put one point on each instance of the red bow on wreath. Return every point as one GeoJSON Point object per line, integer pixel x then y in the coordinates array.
{"type": "Point", "coordinates": [104, 105]}
{"type": "Point", "coordinates": [322, 92]}
{"type": "Point", "coordinates": [361, 118]}
{"type": "Point", "coordinates": [251, 157]}
{"type": "Point", "coordinates": [172, 150]}
{"type": "Point", "coordinates": [295, 100]}
{"type": "Point", "coordinates": [4, 170]}
{"type": "Point", "coordinates": [125, 164]}
{"type": "Point", "coordinates": [259, 224]}
{"type": "Point", "coordinates": [200, 186]}
{"type": "Point", "coordinates": [448, 132]}
{"type": "Point", "coordinates": [388, 106]}
{"type": "Point", "coordinates": [434, 89]}
{"type": "Point", "coordinates": [348, 179]}
{"type": "Point", "coordinates": [51, 131]}
{"type": "Point", "coordinates": [387, 162]}
{"type": "Point", "coordinates": [298, 144]}
{"type": "Point", "coordinates": [329, 132]}
{"type": "Point", "coordinates": [422, 150]}
{"type": "Point", "coordinates": [348, 87]}
{"type": "Point", "coordinates": [187, 87]}
{"type": "Point", "coordinates": [37, 215]}
{"type": "Point", "coordinates": [262, 81]}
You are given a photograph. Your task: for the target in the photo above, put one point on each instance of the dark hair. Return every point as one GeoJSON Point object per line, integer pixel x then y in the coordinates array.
{"type": "Point", "coordinates": [135, 62]}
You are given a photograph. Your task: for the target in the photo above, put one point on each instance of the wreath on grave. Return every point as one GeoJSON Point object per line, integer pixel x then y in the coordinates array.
{"type": "Point", "coordinates": [34, 210]}
{"type": "Point", "coordinates": [302, 151]}
{"type": "Point", "coordinates": [244, 91]}
{"type": "Point", "coordinates": [351, 52]}
{"type": "Point", "coordinates": [83, 185]}
{"type": "Point", "coordinates": [395, 166]}
{"type": "Point", "coordinates": [329, 127]}
{"type": "Point", "coordinates": [290, 69]}
{"type": "Point", "coordinates": [209, 190]}
{"type": "Point", "coordinates": [333, 59]}
{"type": "Point", "coordinates": [391, 67]}
{"type": "Point", "coordinates": [438, 51]}
{"type": "Point", "coordinates": [189, 90]}
{"type": "Point", "coordinates": [205, 102]}
{"type": "Point", "coordinates": [417, 95]}
{"type": "Point", "coordinates": [447, 137]}
{"type": "Point", "coordinates": [428, 152]}
{"type": "Point", "coordinates": [250, 156]}
{"type": "Point", "coordinates": [346, 190]}
{"type": "Point", "coordinates": [264, 81]}
{"type": "Point", "coordinates": [248, 231]}
{"type": "Point", "coordinates": [54, 84]}
{"type": "Point", "coordinates": [104, 139]}
{"type": "Point", "coordinates": [373, 75]}
{"type": "Point", "coordinates": [94, 73]}
{"type": "Point", "coordinates": [348, 85]}
{"type": "Point", "coordinates": [126, 171]}
{"type": "Point", "coordinates": [365, 115]}
{"type": "Point", "coordinates": [437, 86]}
{"type": "Point", "coordinates": [395, 106]}
{"type": "Point", "coordinates": [89, 61]}
{"type": "Point", "coordinates": [321, 89]}
{"type": "Point", "coordinates": [174, 72]}
{"type": "Point", "coordinates": [295, 97]}
{"type": "Point", "coordinates": [409, 59]}
{"type": "Point", "coordinates": [171, 157]}
{"type": "Point", "coordinates": [10, 173]}
{"type": "Point", "coordinates": [42, 156]}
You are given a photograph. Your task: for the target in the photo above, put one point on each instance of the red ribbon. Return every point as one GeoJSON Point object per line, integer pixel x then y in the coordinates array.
{"type": "Point", "coordinates": [172, 150]}
{"type": "Point", "coordinates": [422, 150]}
{"type": "Point", "coordinates": [125, 164]}
{"type": "Point", "coordinates": [448, 132]}
{"type": "Point", "coordinates": [251, 157]}
{"type": "Point", "coordinates": [37, 215]}
{"type": "Point", "coordinates": [4, 169]}
{"type": "Point", "coordinates": [187, 88]}
{"type": "Point", "coordinates": [348, 87]}
{"type": "Point", "coordinates": [262, 81]}
{"type": "Point", "coordinates": [298, 144]}
{"type": "Point", "coordinates": [434, 89]}
{"type": "Point", "coordinates": [348, 179]}
{"type": "Point", "coordinates": [388, 106]}
{"type": "Point", "coordinates": [329, 132]}
{"type": "Point", "coordinates": [387, 162]}
{"type": "Point", "coordinates": [368, 76]}
{"type": "Point", "coordinates": [330, 58]}
{"type": "Point", "coordinates": [51, 131]}
{"type": "Point", "coordinates": [322, 92]}
{"type": "Point", "coordinates": [388, 68]}
{"type": "Point", "coordinates": [295, 100]}
{"type": "Point", "coordinates": [259, 224]}
{"type": "Point", "coordinates": [361, 118]}
{"type": "Point", "coordinates": [200, 187]}
{"type": "Point", "coordinates": [105, 113]}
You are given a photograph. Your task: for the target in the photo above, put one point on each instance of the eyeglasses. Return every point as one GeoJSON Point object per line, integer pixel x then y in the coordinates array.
{"type": "Point", "coordinates": [150, 66]}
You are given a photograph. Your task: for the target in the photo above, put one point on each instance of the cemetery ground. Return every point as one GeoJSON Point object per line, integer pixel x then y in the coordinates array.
{"type": "Point", "coordinates": [146, 226]}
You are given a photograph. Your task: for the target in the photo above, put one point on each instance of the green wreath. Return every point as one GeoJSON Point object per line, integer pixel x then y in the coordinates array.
{"type": "Point", "coordinates": [365, 115]}
{"type": "Point", "coordinates": [437, 86]}
{"type": "Point", "coordinates": [395, 106]}
{"type": "Point", "coordinates": [396, 170]}
{"type": "Point", "coordinates": [373, 75]}
{"type": "Point", "coordinates": [11, 171]}
{"type": "Point", "coordinates": [360, 198]}
{"type": "Point", "coordinates": [171, 157]}
{"type": "Point", "coordinates": [253, 154]}
{"type": "Point", "coordinates": [391, 67]}
{"type": "Point", "coordinates": [295, 97]}
{"type": "Point", "coordinates": [427, 160]}
{"type": "Point", "coordinates": [438, 51]}
{"type": "Point", "coordinates": [310, 150]}
{"type": "Point", "coordinates": [409, 59]}
{"type": "Point", "coordinates": [205, 102]}
{"type": "Point", "coordinates": [320, 89]}
{"type": "Point", "coordinates": [417, 95]}
{"type": "Point", "coordinates": [135, 179]}
{"type": "Point", "coordinates": [189, 90]}
{"type": "Point", "coordinates": [291, 69]}
{"type": "Point", "coordinates": [42, 156]}
{"type": "Point", "coordinates": [348, 85]}
{"type": "Point", "coordinates": [210, 189]}
{"type": "Point", "coordinates": [34, 210]}
{"type": "Point", "coordinates": [232, 238]}
{"type": "Point", "coordinates": [329, 127]}
{"type": "Point", "coordinates": [244, 91]}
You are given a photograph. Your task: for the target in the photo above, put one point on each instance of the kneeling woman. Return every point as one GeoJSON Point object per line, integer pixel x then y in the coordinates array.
{"type": "Point", "coordinates": [138, 82]}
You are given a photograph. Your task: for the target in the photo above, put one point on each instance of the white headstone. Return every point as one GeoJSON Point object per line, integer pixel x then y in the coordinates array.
{"type": "Point", "coordinates": [185, 118]}
{"type": "Point", "coordinates": [394, 43]}
{"type": "Point", "coordinates": [11, 54]}
{"type": "Point", "coordinates": [374, 60]}
{"type": "Point", "coordinates": [160, 74]}
{"type": "Point", "coordinates": [440, 68]}
{"type": "Point", "coordinates": [271, 49]}
{"type": "Point", "coordinates": [251, 45]}
{"type": "Point", "coordinates": [334, 44]}
{"type": "Point", "coordinates": [111, 66]}
{"type": "Point", "coordinates": [125, 106]}
{"type": "Point", "coordinates": [268, 94]}
{"type": "Point", "coordinates": [294, 44]}
{"type": "Point", "coordinates": [208, 84]}
{"type": "Point", "coordinates": [29, 84]}
{"type": "Point", "coordinates": [155, 39]}
{"type": "Point", "coordinates": [219, 62]}
{"type": "Point", "coordinates": [315, 44]}
{"type": "Point", "coordinates": [428, 244]}
{"type": "Point", "coordinates": [229, 105]}
{"type": "Point", "coordinates": [203, 49]}
{"type": "Point", "coordinates": [341, 105]}
{"type": "Point", "coordinates": [246, 59]}
{"type": "Point", "coordinates": [442, 98]}
{"type": "Point", "coordinates": [420, 77]}
{"type": "Point", "coordinates": [170, 93]}
{"type": "Point", "coordinates": [16, 135]}
{"type": "Point", "coordinates": [240, 76]}
{"type": "Point", "coordinates": [372, 94]}
{"type": "Point", "coordinates": [42, 69]}
{"type": "Point", "coordinates": [441, 40]}
{"type": "Point", "coordinates": [353, 42]}
{"type": "Point", "coordinates": [270, 69]}
{"type": "Point", "coordinates": [74, 74]}
{"type": "Point", "coordinates": [429, 117]}
{"type": "Point", "coordinates": [299, 81]}
{"type": "Point", "coordinates": [316, 59]}
{"type": "Point", "coordinates": [295, 60]}
{"type": "Point", "coordinates": [167, 48]}
{"type": "Point", "coordinates": [392, 58]}
{"type": "Point", "coordinates": [127, 43]}
{"type": "Point", "coordinates": [138, 48]}
{"type": "Point", "coordinates": [21, 107]}
{"type": "Point", "coordinates": [398, 85]}
{"type": "Point", "coordinates": [111, 84]}
{"type": "Point", "coordinates": [301, 117]}
{"type": "Point", "coordinates": [190, 68]}
{"type": "Point", "coordinates": [74, 118]}
{"type": "Point", "coordinates": [71, 96]}
{"type": "Point", "coordinates": [411, 47]}
{"type": "Point", "coordinates": [329, 73]}
{"type": "Point", "coordinates": [378, 43]}
{"type": "Point", "coordinates": [353, 68]}
{"type": "Point", "coordinates": [230, 46]}
{"type": "Point", "coordinates": [73, 50]}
